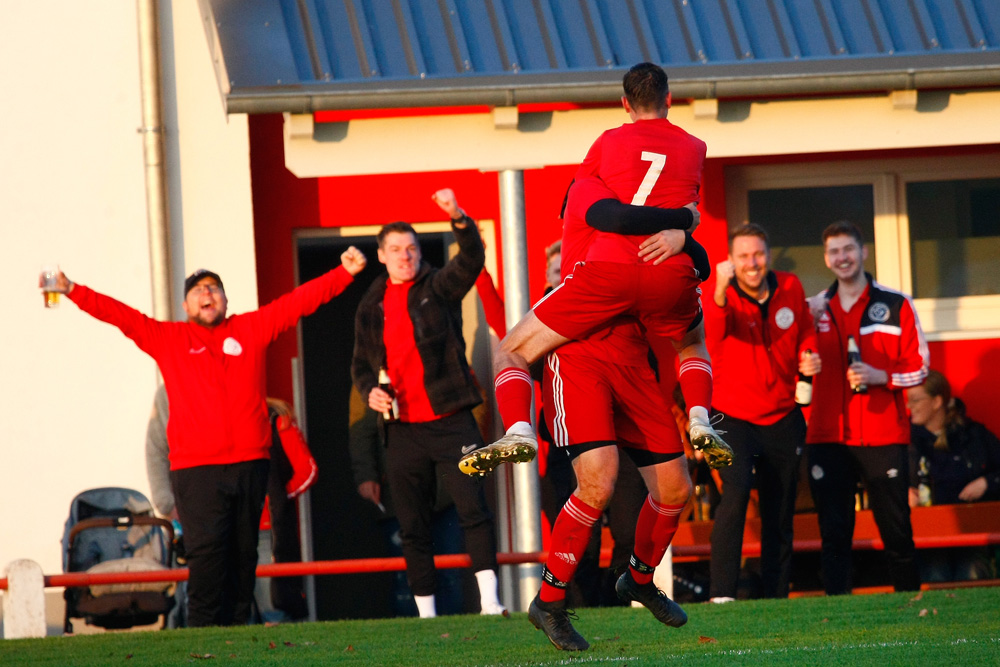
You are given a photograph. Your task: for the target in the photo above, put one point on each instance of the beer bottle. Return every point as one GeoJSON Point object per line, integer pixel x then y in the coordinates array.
{"type": "Point", "coordinates": [804, 387]}
{"type": "Point", "coordinates": [854, 356]}
{"type": "Point", "coordinates": [924, 482]}
{"type": "Point", "coordinates": [180, 554]}
{"type": "Point", "coordinates": [392, 414]}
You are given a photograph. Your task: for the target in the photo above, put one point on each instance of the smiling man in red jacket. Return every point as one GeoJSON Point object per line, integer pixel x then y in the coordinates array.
{"type": "Point", "coordinates": [858, 426]}
{"type": "Point", "coordinates": [761, 335]}
{"type": "Point", "coordinates": [213, 368]}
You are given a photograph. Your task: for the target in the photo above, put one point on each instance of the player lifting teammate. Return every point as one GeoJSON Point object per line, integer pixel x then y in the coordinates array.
{"type": "Point", "coordinates": [648, 162]}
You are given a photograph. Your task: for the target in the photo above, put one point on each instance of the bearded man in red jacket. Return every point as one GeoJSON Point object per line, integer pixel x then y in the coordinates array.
{"type": "Point", "coordinates": [213, 368]}
{"type": "Point", "coordinates": [762, 338]}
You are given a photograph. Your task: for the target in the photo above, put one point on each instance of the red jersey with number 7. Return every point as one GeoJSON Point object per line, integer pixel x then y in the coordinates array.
{"type": "Point", "coordinates": [645, 163]}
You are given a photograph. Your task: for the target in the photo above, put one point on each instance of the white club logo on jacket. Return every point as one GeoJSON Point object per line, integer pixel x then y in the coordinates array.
{"type": "Point", "coordinates": [232, 347]}
{"type": "Point", "coordinates": [878, 312]}
{"type": "Point", "coordinates": [784, 318]}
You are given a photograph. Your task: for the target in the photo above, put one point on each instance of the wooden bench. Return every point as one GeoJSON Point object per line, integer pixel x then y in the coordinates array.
{"type": "Point", "coordinates": [974, 524]}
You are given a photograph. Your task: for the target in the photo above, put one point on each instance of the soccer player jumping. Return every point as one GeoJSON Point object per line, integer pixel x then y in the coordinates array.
{"type": "Point", "coordinates": [649, 161]}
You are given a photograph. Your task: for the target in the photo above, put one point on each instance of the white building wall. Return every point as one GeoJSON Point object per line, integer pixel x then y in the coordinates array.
{"type": "Point", "coordinates": [75, 394]}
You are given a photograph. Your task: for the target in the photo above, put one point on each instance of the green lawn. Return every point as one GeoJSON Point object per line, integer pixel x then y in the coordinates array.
{"type": "Point", "coordinates": [959, 627]}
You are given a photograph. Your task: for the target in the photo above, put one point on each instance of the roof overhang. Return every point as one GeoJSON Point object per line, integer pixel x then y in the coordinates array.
{"type": "Point", "coordinates": [748, 80]}
{"type": "Point", "coordinates": [272, 56]}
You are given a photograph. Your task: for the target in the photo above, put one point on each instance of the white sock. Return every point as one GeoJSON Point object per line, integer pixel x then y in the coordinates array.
{"type": "Point", "coordinates": [487, 580]}
{"type": "Point", "coordinates": [520, 428]}
{"type": "Point", "coordinates": [425, 606]}
{"type": "Point", "coordinates": [698, 412]}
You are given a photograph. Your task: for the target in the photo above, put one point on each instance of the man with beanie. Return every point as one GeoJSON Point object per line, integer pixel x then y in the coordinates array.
{"type": "Point", "coordinates": [220, 436]}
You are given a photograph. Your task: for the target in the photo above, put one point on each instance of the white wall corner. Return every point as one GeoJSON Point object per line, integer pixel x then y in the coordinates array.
{"type": "Point", "coordinates": [24, 601]}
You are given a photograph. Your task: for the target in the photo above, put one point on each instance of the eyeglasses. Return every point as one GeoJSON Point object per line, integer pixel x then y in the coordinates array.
{"type": "Point", "coordinates": [198, 290]}
{"type": "Point", "coordinates": [913, 400]}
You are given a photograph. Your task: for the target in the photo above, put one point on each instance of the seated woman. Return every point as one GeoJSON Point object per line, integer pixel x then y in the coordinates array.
{"type": "Point", "coordinates": [962, 459]}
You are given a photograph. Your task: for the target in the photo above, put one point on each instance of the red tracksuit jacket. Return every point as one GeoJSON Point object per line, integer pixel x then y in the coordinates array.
{"type": "Point", "coordinates": [888, 333]}
{"type": "Point", "coordinates": [755, 363]}
{"type": "Point", "coordinates": [215, 378]}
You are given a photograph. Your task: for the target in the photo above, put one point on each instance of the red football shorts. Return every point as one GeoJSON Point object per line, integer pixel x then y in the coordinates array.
{"type": "Point", "coordinates": [589, 400]}
{"type": "Point", "coordinates": [664, 298]}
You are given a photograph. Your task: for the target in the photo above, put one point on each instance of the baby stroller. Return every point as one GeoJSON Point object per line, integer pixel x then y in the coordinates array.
{"type": "Point", "coordinates": [113, 530]}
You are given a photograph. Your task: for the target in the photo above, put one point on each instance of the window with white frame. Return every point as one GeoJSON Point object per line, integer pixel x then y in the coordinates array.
{"type": "Point", "coordinates": [933, 228]}
{"type": "Point", "coordinates": [954, 237]}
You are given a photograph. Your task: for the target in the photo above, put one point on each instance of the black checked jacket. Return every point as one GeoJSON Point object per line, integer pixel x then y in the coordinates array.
{"type": "Point", "coordinates": [435, 306]}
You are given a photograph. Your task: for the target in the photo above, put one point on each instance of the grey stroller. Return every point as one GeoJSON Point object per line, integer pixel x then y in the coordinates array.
{"type": "Point", "coordinates": [113, 530]}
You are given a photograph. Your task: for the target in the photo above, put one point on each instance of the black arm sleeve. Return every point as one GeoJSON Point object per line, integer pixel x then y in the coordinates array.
{"type": "Point", "coordinates": [610, 215]}
{"type": "Point", "coordinates": [699, 256]}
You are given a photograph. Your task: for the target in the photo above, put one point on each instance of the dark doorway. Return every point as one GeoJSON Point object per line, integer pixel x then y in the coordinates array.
{"type": "Point", "coordinates": [344, 524]}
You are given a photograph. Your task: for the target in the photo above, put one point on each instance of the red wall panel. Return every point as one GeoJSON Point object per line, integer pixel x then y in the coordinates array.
{"type": "Point", "coordinates": [969, 366]}
{"type": "Point", "coordinates": [283, 202]}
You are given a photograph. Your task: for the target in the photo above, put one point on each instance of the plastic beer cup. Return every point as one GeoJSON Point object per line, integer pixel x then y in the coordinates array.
{"type": "Point", "coordinates": [50, 276]}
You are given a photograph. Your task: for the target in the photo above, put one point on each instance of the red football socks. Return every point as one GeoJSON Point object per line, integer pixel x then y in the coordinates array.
{"type": "Point", "coordinates": [695, 377]}
{"type": "Point", "coordinates": [570, 536]}
{"type": "Point", "coordinates": [514, 391]}
{"type": "Point", "coordinates": [653, 531]}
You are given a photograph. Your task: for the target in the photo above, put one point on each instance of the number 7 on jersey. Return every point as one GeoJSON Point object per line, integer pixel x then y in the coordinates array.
{"type": "Point", "coordinates": [656, 162]}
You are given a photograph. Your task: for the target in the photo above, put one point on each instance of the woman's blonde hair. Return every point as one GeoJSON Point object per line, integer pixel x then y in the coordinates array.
{"type": "Point", "coordinates": [936, 385]}
{"type": "Point", "coordinates": [283, 408]}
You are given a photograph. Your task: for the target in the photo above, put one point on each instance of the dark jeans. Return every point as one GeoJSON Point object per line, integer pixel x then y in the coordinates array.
{"type": "Point", "coordinates": [219, 507]}
{"type": "Point", "coordinates": [772, 452]}
{"type": "Point", "coordinates": [418, 457]}
{"type": "Point", "coordinates": [834, 472]}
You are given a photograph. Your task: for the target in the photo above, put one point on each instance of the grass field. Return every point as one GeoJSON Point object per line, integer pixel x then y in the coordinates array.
{"type": "Point", "coordinates": [958, 627]}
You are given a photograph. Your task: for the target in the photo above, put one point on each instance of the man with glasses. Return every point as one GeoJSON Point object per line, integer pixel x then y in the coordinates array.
{"type": "Point", "coordinates": [219, 433]}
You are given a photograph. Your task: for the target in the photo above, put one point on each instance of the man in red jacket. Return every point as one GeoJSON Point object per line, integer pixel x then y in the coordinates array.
{"type": "Point", "coordinates": [219, 433]}
{"type": "Point", "coordinates": [759, 331]}
{"type": "Point", "coordinates": [858, 426]}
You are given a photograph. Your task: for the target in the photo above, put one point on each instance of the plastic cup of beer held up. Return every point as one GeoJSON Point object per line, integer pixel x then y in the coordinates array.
{"type": "Point", "coordinates": [50, 279]}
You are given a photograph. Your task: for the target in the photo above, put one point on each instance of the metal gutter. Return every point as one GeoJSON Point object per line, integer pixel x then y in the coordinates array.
{"type": "Point", "coordinates": [744, 80]}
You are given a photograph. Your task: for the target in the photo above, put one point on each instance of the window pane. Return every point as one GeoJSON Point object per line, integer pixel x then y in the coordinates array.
{"type": "Point", "coordinates": [954, 237]}
{"type": "Point", "coordinates": [795, 219]}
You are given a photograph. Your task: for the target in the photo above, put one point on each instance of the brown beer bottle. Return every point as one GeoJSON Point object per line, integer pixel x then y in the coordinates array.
{"type": "Point", "coordinates": [853, 356]}
{"type": "Point", "coordinates": [392, 414]}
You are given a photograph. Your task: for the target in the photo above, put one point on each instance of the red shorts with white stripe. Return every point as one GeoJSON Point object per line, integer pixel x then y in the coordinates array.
{"type": "Point", "coordinates": [588, 400]}
{"type": "Point", "coordinates": [665, 298]}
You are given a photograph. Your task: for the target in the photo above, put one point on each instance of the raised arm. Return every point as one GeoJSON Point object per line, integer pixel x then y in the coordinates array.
{"type": "Point", "coordinates": [141, 328]}
{"type": "Point", "coordinates": [285, 311]}
{"type": "Point", "coordinates": [459, 275]}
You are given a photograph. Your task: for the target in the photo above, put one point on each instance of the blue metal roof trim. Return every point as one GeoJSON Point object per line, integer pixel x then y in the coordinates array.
{"type": "Point", "coordinates": [327, 46]}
